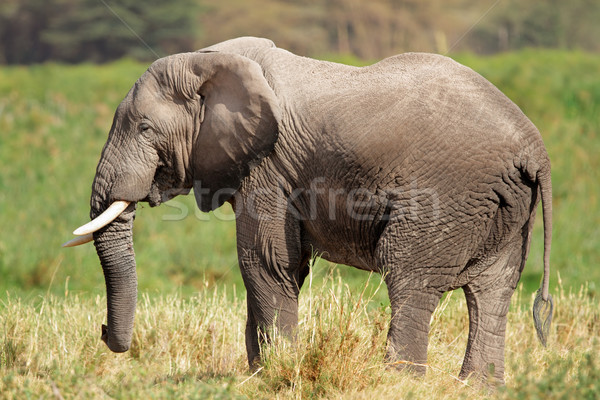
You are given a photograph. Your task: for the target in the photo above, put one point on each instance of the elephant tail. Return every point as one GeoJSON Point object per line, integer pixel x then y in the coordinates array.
{"type": "Point", "coordinates": [543, 304]}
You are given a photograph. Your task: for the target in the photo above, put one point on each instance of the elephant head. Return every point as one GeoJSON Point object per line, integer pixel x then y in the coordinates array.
{"type": "Point", "coordinates": [199, 120]}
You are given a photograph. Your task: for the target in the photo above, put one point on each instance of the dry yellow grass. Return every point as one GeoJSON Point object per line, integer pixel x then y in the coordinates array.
{"type": "Point", "coordinates": [194, 348]}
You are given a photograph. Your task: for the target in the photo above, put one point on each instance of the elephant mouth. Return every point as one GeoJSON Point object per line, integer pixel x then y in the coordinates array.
{"type": "Point", "coordinates": [155, 196]}
{"type": "Point", "coordinates": [164, 187]}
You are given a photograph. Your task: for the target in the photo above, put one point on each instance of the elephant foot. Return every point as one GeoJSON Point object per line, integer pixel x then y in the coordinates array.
{"type": "Point", "coordinates": [401, 362]}
{"type": "Point", "coordinates": [413, 368]}
{"type": "Point", "coordinates": [482, 379]}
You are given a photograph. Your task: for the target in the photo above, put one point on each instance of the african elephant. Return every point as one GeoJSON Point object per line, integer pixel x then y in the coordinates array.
{"type": "Point", "coordinates": [415, 167]}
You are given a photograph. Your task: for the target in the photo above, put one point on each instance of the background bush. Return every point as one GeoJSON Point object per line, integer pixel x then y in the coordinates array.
{"type": "Point", "coordinates": [33, 31]}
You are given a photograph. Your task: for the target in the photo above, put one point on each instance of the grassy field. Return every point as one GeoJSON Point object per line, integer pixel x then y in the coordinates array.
{"type": "Point", "coordinates": [53, 122]}
{"type": "Point", "coordinates": [193, 347]}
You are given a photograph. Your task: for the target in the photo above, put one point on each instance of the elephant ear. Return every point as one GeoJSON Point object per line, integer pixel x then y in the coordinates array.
{"type": "Point", "coordinates": [239, 125]}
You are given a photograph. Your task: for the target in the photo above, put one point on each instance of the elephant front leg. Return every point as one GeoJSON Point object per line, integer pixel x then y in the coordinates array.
{"type": "Point", "coordinates": [412, 308]}
{"type": "Point", "coordinates": [272, 266]}
{"type": "Point", "coordinates": [253, 339]}
{"type": "Point", "coordinates": [272, 305]}
{"type": "Point", "coordinates": [260, 324]}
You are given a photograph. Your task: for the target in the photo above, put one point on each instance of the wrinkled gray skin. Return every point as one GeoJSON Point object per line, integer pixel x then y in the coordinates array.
{"type": "Point", "coordinates": [443, 174]}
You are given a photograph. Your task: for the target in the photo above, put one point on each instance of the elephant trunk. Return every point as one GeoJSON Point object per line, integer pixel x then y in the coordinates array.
{"type": "Point", "coordinates": [114, 245]}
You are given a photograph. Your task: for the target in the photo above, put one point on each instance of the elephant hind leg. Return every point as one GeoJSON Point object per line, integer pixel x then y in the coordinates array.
{"type": "Point", "coordinates": [415, 289]}
{"type": "Point", "coordinates": [488, 299]}
{"type": "Point", "coordinates": [412, 308]}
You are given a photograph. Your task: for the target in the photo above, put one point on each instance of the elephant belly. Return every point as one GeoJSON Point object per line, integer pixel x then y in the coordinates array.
{"type": "Point", "coordinates": [340, 248]}
{"type": "Point", "coordinates": [345, 235]}
{"type": "Point", "coordinates": [411, 230]}
{"type": "Point", "coordinates": [441, 219]}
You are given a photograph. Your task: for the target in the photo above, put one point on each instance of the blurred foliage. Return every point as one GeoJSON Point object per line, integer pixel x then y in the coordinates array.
{"type": "Point", "coordinates": [95, 30]}
{"type": "Point", "coordinates": [34, 31]}
{"type": "Point", "coordinates": [367, 29]}
{"type": "Point", "coordinates": [538, 23]}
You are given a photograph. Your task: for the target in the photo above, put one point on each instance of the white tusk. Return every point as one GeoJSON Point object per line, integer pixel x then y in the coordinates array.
{"type": "Point", "coordinates": [103, 219]}
{"type": "Point", "coordinates": [79, 240]}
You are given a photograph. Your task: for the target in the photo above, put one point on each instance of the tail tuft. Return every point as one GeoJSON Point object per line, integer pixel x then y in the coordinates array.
{"type": "Point", "coordinates": [542, 316]}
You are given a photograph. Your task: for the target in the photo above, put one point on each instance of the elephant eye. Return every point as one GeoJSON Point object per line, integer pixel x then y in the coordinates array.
{"type": "Point", "coordinates": [144, 127]}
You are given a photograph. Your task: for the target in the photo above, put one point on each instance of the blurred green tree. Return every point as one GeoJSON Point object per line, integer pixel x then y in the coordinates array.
{"type": "Point", "coordinates": [21, 24]}
{"type": "Point", "coordinates": [95, 30]}
{"type": "Point", "coordinates": [515, 24]}
{"type": "Point", "coordinates": [103, 30]}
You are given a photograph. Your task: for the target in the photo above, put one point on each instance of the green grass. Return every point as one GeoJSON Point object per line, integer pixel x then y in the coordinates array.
{"type": "Point", "coordinates": [53, 122]}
